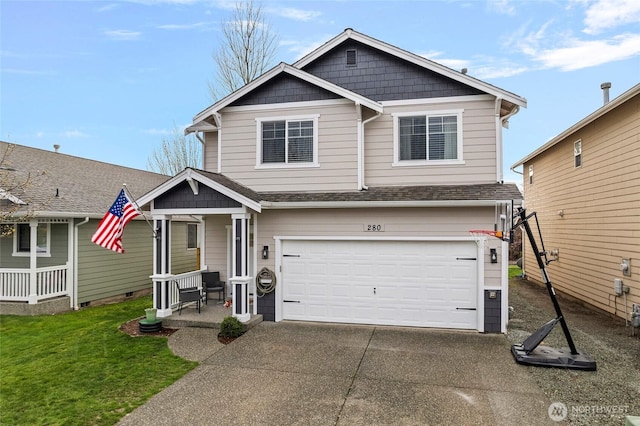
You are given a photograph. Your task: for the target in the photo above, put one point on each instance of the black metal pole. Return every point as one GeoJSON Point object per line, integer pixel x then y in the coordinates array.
{"type": "Point", "coordinates": [524, 221]}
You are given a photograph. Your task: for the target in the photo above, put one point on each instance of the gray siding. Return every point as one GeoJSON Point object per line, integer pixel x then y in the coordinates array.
{"type": "Point", "coordinates": [103, 273]}
{"type": "Point", "coordinates": [182, 197]}
{"type": "Point", "coordinates": [492, 311]}
{"type": "Point", "coordinates": [383, 77]}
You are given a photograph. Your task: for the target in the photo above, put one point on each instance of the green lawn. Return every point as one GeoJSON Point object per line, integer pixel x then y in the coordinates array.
{"type": "Point", "coordinates": [514, 271]}
{"type": "Point", "coordinates": [78, 368]}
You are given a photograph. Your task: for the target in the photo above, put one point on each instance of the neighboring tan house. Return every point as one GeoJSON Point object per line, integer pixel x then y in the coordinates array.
{"type": "Point", "coordinates": [584, 185]}
{"type": "Point", "coordinates": [48, 262]}
{"type": "Point", "coordinates": [351, 180]}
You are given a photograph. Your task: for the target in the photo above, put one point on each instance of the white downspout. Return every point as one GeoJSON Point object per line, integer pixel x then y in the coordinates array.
{"type": "Point", "coordinates": [74, 301]}
{"type": "Point", "coordinates": [500, 123]}
{"type": "Point", "coordinates": [361, 168]}
{"type": "Point", "coordinates": [219, 121]}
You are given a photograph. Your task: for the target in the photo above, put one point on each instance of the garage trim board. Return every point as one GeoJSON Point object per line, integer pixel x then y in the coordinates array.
{"type": "Point", "coordinates": [411, 281]}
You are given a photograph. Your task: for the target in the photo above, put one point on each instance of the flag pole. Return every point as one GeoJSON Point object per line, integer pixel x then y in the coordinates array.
{"type": "Point", "coordinates": [138, 209]}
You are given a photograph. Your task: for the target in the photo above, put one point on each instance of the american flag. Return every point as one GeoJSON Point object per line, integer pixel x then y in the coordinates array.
{"type": "Point", "coordinates": [109, 232]}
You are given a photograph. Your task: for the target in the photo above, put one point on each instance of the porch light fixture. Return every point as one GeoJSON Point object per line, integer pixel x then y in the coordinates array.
{"type": "Point", "coordinates": [265, 252]}
{"type": "Point", "coordinates": [494, 255]}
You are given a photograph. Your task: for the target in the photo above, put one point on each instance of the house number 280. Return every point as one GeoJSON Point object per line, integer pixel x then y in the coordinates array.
{"type": "Point", "coordinates": [374, 228]}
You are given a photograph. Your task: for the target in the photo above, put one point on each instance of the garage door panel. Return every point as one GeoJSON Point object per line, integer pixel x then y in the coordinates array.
{"type": "Point", "coordinates": [416, 283]}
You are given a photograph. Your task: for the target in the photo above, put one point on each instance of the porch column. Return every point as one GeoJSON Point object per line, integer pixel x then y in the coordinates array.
{"type": "Point", "coordinates": [162, 266]}
{"type": "Point", "coordinates": [33, 261]}
{"type": "Point", "coordinates": [239, 262]}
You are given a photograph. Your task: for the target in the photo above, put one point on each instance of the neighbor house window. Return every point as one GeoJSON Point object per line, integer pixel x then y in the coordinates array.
{"type": "Point", "coordinates": [428, 137]}
{"type": "Point", "coordinates": [577, 154]}
{"type": "Point", "coordinates": [192, 235]}
{"type": "Point", "coordinates": [22, 239]}
{"type": "Point", "coordinates": [531, 174]}
{"type": "Point", "coordinates": [289, 142]}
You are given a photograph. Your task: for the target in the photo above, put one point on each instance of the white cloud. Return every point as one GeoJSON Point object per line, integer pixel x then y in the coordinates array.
{"type": "Point", "coordinates": [124, 35]}
{"type": "Point", "coordinates": [107, 7]}
{"type": "Point", "coordinates": [174, 27]}
{"type": "Point", "coordinates": [607, 14]}
{"type": "Point", "coordinates": [156, 132]}
{"type": "Point", "coordinates": [482, 67]}
{"type": "Point", "coordinates": [73, 134]}
{"type": "Point", "coordinates": [300, 48]}
{"type": "Point", "coordinates": [296, 14]}
{"type": "Point", "coordinates": [577, 54]}
{"type": "Point", "coordinates": [504, 7]}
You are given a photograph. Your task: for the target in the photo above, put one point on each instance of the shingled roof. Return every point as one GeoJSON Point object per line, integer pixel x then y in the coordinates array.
{"type": "Point", "coordinates": [68, 186]}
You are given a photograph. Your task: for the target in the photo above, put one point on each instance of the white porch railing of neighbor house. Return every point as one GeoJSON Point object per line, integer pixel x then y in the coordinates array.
{"type": "Point", "coordinates": [15, 284]}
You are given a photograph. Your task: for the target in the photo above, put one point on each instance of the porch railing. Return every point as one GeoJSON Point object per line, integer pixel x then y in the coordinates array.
{"type": "Point", "coordinates": [187, 279]}
{"type": "Point", "coordinates": [15, 284]}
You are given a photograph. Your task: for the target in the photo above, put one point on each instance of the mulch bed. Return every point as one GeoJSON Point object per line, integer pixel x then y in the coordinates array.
{"type": "Point", "coordinates": [132, 328]}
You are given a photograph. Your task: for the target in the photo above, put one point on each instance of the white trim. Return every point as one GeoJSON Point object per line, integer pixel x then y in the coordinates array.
{"type": "Point", "coordinates": [437, 101]}
{"type": "Point", "coordinates": [576, 154]}
{"type": "Point", "coordinates": [191, 211]}
{"type": "Point", "coordinates": [458, 113]}
{"type": "Point", "coordinates": [371, 204]}
{"type": "Point", "coordinates": [45, 253]}
{"type": "Point", "coordinates": [286, 165]}
{"type": "Point", "coordinates": [4, 195]}
{"type": "Point", "coordinates": [288, 105]}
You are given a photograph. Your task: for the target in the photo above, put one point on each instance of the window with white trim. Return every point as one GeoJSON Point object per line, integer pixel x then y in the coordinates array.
{"type": "Point", "coordinates": [22, 239]}
{"type": "Point", "coordinates": [577, 153]}
{"type": "Point", "coordinates": [428, 137]}
{"type": "Point", "coordinates": [192, 235]}
{"type": "Point", "coordinates": [531, 174]}
{"type": "Point", "coordinates": [287, 142]}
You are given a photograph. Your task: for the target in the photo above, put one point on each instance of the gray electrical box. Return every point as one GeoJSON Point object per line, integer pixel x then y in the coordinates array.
{"type": "Point", "coordinates": [617, 286]}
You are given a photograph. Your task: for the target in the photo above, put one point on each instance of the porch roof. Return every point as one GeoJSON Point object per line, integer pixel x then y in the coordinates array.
{"type": "Point", "coordinates": [419, 195]}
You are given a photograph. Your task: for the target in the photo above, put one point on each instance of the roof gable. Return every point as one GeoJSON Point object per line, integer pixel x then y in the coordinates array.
{"type": "Point", "coordinates": [285, 88]}
{"type": "Point", "coordinates": [381, 76]}
{"type": "Point", "coordinates": [67, 186]}
{"type": "Point", "coordinates": [350, 34]}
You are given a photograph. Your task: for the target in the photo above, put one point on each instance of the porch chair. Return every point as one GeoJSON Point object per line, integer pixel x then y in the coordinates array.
{"type": "Point", "coordinates": [186, 295]}
{"type": "Point", "coordinates": [211, 284]}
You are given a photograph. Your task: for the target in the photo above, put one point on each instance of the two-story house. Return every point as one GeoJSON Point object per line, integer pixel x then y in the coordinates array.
{"type": "Point", "coordinates": [349, 182]}
{"type": "Point", "coordinates": [583, 185]}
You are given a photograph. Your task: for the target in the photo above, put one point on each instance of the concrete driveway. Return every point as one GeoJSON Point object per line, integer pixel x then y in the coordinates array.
{"type": "Point", "coordinates": [327, 374]}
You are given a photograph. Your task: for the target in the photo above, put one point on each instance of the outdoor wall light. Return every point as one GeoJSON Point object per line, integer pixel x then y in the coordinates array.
{"type": "Point", "coordinates": [494, 255]}
{"type": "Point", "coordinates": [265, 252]}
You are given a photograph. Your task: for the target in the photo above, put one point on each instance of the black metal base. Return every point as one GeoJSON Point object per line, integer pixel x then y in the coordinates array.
{"type": "Point", "coordinates": [545, 356]}
{"type": "Point", "coordinates": [147, 326]}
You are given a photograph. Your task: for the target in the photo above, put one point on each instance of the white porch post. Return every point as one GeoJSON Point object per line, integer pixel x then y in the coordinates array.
{"type": "Point", "coordinates": [33, 261]}
{"type": "Point", "coordinates": [162, 265]}
{"type": "Point", "coordinates": [240, 258]}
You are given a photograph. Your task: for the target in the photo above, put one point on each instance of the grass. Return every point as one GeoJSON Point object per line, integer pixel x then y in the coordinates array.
{"type": "Point", "coordinates": [514, 271]}
{"type": "Point", "coordinates": [78, 368]}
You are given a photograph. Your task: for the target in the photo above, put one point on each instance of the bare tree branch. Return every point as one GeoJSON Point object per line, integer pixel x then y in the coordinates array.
{"type": "Point", "coordinates": [248, 49]}
{"type": "Point", "coordinates": [175, 153]}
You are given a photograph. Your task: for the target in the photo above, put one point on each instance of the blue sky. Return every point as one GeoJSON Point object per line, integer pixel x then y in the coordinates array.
{"type": "Point", "coordinates": [108, 80]}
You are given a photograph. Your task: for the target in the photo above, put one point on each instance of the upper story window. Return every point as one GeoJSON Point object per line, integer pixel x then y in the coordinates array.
{"type": "Point", "coordinates": [287, 142]}
{"type": "Point", "coordinates": [531, 174]}
{"type": "Point", "coordinates": [433, 137]}
{"type": "Point", "coordinates": [22, 239]}
{"type": "Point", "coordinates": [577, 153]}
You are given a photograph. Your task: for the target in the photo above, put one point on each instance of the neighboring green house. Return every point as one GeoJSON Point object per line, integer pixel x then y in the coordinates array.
{"type": "Point", "coordinates": [47, 260]}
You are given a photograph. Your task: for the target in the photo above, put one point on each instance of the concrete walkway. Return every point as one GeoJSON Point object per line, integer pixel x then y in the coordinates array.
{"type": "Point", "coordinates": [322, 374]}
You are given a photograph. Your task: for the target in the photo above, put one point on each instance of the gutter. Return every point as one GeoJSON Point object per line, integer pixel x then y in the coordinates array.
{"type": "Point", "coordinates": [370, 204]}
{"type": "Point", "coordinates": [74, 302]}
{"type": "Point", "coordinates": [361, 124]}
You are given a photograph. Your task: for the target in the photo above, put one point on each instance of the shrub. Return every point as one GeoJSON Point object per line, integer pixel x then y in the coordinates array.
{"type": "Point", "coordinates": [231, 327]}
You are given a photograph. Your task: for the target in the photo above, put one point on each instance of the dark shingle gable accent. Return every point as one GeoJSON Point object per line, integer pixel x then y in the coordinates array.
{"type": "Point", "coordinates": [181, 196]}
{"type": "Point", "coordinates": [285, 88]}
{"type": "Point", "coordinates": [383, 77]}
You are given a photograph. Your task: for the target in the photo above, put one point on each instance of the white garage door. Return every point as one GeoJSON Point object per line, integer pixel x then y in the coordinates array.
{"type": "Point", "coordinates": [409, 283]}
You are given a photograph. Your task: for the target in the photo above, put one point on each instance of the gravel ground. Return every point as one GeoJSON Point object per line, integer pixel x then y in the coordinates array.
{"type": "Point", "coordinates": [602, 397]}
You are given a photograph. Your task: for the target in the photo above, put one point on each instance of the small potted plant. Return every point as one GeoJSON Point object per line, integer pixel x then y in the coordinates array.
{"type": "Point", "coordinates": [230, 329]}
{"type": "Point", "coordinates": [150, 313]}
